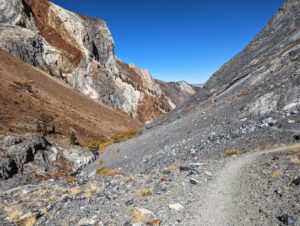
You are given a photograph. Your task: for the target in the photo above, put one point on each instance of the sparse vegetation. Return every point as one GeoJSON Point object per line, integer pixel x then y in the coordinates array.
{"type": "Point", "coordinates": [27, 221]}
{"type": "Point", "coordinates": [144, 192]}
{"type": "Point", "coordinates": [91, 190]}
{"type": "Point", "coordinates": [277, 173]}
{"type": "Point", "coordinates": [102, 170]}
{"type": "Point", "coordinates": [43, 123]}
{"type": "Point", "coordinates": [73, 138]}
{"type": "Point", "coordinates": [137, 216]}
{"type": "Point", "coordinates": [295, 149]}
{"type": "Point", "coordinates": [154, 222]}
{"type": "Point", "coordinates": [232, 152]}
{"type": "Point", "coordinates": [295, 160]}
{"type": "Point", "coordinates": [13, 214]}
{"type": "Point", "coordinates": [103, 142]}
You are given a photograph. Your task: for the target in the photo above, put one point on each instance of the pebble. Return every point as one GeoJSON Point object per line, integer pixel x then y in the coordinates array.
{"type": "Point", "coordinates": [287, 219]}
{"type": "Point", "coordinates": [296, 182]}
{"type": "Point", "coordinates": [176, 207]}
{"type": "Point", "coordinates": [194, 181]}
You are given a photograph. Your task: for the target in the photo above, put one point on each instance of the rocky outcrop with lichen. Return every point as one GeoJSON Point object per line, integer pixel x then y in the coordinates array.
{"type": "Point", "coordinates": [79, 50]}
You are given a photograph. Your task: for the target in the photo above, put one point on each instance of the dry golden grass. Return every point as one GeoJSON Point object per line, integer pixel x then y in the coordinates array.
{"type": "Point", "coordinates": [73, 192]}
{"type": "Point", "coordinates": [13, 214]}
{"type": "Point", "coordinates": [91, 190]}
{"type": "Point", "coordinates": [137, 216]}
{"type": "Point", "coordinates": [103, 142]}
{"type": "Point", "coordinates": [231, 152]}
{"type": "Point", "coordinates": [28, 221]}
{"type": "Point", "coordinates": [154, 222]}
{"type": "Point", "coordinates": [174, 167]}
{"type": "Point", "coordinates": [295, 149]}
{"type": "Point", "coordinates": [144, 192]}
{"type": "Point", "coordinates": [102, 170]}
{"type": "Point", "coordinates": [277, 173]}
{"type": "Point", "coordinates": [123, 136]}
{"type": "Point", "coordinates": [295, 160]}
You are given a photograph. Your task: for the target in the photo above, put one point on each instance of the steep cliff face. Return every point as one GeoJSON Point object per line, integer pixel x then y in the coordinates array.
{"type": "Point", "coordinates": [79, 51]}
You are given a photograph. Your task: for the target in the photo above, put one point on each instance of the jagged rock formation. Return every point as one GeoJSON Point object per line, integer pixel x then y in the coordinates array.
{"type": "Point", "coordinates": [32, 156]}
{"type": "Point", "coordinates": [80, 51]}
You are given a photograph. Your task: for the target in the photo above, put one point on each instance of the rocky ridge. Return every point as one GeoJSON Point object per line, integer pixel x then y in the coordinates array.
{"type": "Point", "coordinates": [80, 51]}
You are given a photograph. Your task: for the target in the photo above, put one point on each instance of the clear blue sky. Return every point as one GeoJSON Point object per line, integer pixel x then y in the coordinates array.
{"type": "Point", "coordinates": [179, 39]}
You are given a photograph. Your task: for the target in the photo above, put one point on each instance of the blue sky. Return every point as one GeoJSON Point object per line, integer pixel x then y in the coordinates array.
{"type": "Point", "coordinates": [179, 39]}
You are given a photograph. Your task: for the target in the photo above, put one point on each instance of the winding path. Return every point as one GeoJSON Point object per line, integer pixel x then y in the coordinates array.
{"type": "Point", "coordinates": [218, 205]}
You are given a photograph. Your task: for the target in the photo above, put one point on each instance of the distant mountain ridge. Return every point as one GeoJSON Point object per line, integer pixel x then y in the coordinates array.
{"type": "Point", "coordinates": [79, 50]}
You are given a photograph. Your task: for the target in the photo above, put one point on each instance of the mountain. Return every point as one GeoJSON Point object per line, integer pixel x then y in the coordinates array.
{"type": "Point", "coordinates": [229, 155]}
{"type": "Point", "coordinates": [250, 103]}
{"type": "Point", "coordinates": [28, 94]}
{"type": "Point", "coordinates": [79, 51]}
{"type": "Point", "coordinates": [178, 92]}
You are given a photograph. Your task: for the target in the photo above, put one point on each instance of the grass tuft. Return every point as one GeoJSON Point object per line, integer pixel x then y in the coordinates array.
{"type": "Point", "coordinates": [13, 215]}
{"type": "Point", "coordinates": [295, 160]}
{"type": "Point", "coordinates": [145, 192]}
{"type": "Point", "coordinates": [232, 152]}
{"type": "Point", "coordinates": [102, 170]}
{"type": "Point", "coordinates": [277, 173]}
{"type": "Point", "coordinates": [137, 217]}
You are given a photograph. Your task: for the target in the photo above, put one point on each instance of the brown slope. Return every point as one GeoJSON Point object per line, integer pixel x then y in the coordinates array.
{"type": "Point", "coordinates": [20, 107]}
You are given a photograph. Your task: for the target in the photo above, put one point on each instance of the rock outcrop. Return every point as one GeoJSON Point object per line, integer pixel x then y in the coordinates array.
{"type": "Point", "coordinates": [80, 51]}
{"type": "Point", "coordinates": [33, 155]}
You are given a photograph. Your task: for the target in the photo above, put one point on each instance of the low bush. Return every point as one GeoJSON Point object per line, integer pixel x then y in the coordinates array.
{"type": "Point", "coordinates": [103, 142]}
{"type": "Point", "coordinates": [232, 152]}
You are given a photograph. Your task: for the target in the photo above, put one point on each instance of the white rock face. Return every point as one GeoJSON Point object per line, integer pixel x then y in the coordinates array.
{"type": "Point", "coordinates": [186, 88]}
{"type": "Point", "coordinates": [79, 51]}
{"type": "Point", "coordinates": [265, 104]}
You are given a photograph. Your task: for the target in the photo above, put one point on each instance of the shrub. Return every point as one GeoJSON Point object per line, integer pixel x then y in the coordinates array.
{"type": "Point", "coordinates": [138, 217]}
{"type": "Point", "coordinates": [43, 123]}
{"type": "Point", "coordinates": [145, 192]}
{"type": "Point", "coordinates": [73, 138]}
{"type": "Point", "coordinates": [232, 152]}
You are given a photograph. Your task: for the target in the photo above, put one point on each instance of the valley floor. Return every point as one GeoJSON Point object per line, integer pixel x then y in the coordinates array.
{"type": "Point", "coordinates": [257, 188]}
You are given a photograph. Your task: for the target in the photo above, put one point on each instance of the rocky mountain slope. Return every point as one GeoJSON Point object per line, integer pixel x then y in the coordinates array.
{"type": "Point", "coordinates": [254, 97]}
{"type": "Point", "coordinates": [228, 156]}
{"type": "Point", "coordinates": [28, 96]}
{"type": "Point", "coordinates": [80, 51]}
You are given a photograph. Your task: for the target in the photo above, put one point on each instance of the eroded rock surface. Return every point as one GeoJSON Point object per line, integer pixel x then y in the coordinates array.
{"type": "Point", "coordinates": [80, 51]}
